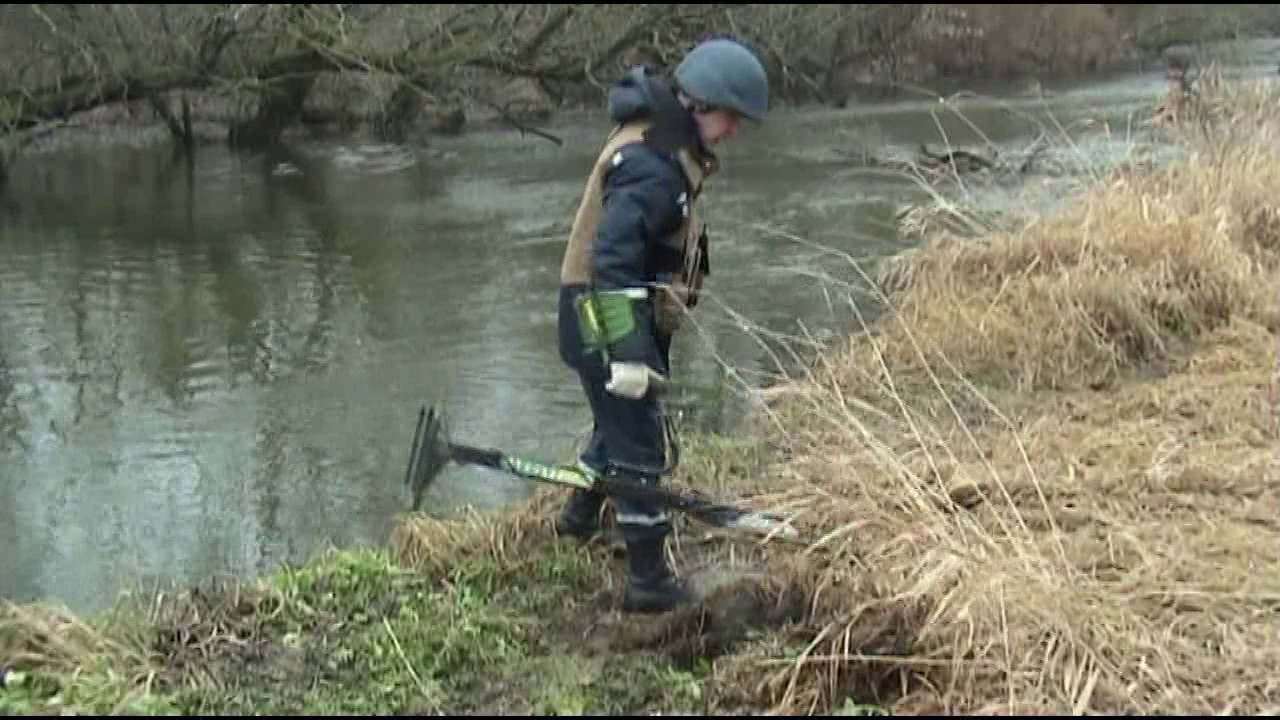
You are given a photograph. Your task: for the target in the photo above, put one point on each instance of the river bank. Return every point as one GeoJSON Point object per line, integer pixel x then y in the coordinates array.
{"type": "Point", "coordinates": [1040, 485]}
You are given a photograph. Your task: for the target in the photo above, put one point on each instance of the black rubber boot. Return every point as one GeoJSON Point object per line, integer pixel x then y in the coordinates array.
{"type": "Point", "coordinates": [651, 586]}
{"type": "Point", "coordinates": [580, 516]}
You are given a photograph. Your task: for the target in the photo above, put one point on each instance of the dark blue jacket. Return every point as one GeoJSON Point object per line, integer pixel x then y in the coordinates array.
{"type": "Point", "coordinates": [644, 198]}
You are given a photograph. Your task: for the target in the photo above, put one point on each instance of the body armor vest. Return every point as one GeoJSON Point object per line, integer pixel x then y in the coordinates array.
{"type": "Point", "coordinates": [671, 299]}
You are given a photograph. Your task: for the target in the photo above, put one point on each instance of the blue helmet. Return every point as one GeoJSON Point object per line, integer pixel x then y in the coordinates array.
{"type": "Point", "coordinates": [725, 74]}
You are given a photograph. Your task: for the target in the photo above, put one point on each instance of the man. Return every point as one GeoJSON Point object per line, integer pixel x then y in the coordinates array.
{"type": "Point", "coordinates": [635, 260]}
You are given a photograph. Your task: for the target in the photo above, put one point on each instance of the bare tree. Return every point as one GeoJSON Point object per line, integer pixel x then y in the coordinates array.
{"type": "Point", "coordinates": [72, 58]}
{"type": "Point", "coordinates": [268, 67]}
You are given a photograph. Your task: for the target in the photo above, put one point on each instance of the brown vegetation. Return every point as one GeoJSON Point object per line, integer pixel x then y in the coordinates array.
{"type": "Point", "coordinates": [1057, 457]}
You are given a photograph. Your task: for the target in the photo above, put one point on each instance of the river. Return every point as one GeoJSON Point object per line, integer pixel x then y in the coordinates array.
{"type": "Point", "coordinates": [216, 367]}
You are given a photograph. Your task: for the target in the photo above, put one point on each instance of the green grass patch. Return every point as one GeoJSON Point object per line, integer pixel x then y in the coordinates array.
{"type": "Point", "coordinates": [353, 632]}
{"type": "Point", "coordinates": [357, 635]}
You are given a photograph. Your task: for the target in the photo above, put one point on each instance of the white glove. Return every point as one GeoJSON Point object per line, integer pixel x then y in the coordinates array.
{"type": "Point", "coordinates": [633, 380]}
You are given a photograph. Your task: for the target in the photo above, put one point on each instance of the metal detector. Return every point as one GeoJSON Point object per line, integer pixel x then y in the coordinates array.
{"type": "Point", "coordinates": [432, 451]}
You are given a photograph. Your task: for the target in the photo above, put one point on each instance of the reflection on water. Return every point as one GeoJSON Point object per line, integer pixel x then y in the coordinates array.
{"type": "Point", "coordinates": [216, 368]}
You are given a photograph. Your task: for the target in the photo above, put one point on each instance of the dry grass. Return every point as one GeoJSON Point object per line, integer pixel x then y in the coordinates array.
{"type": "Point", "coordinates": [436, 546]}
{"type": "Point", "coordinates": [108, 658]}
{"type": "Point", "coordinates": [1103, 555]}
{"type": "Point", "coordinates": [1103, 551]}
{"type": "Point", "coordinates": [52, 637]}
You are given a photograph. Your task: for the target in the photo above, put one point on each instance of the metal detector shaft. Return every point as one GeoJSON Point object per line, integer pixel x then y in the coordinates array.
{"type": "Point", "coordinates": [712, 513]}
{"type": "Point", "coordinates": [432, 451]}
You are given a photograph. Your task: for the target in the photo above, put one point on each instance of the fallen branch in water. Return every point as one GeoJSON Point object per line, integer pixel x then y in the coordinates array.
{"type": "Point", "coordinates": [522, 127]}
